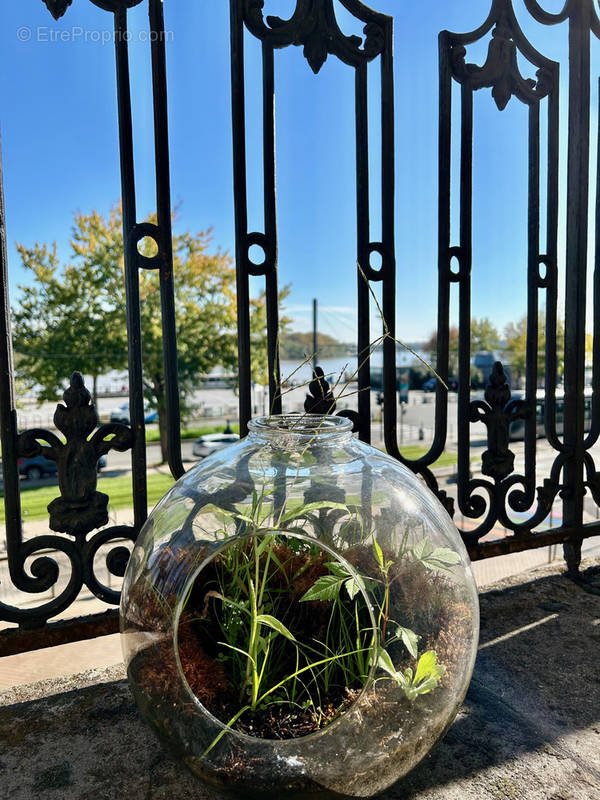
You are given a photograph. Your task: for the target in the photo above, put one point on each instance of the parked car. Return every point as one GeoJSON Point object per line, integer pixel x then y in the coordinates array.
{"type": "Point", "coordinates": [211, 442]}
{"type": "Point", "coordinates": [431, 383]}
{"type": "Point", "coordinates": [37, 467]}
{"type": "Point", "coordinates": [121, 414]}
{"type": "Point", "coordinates": [40, 467]}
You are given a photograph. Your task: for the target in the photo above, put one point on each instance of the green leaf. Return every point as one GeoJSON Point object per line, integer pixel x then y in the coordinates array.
{"type": "Point", "coordinates": [327, 587]}
{"type": "Point", "coordinates": [309, 507]}
{"type": "Point", "coordinates": [265, 543]}
{"type": "Point", "coordinates": [239, 606]}
{"type": "Point", "coordinates": [440, 559]}
{"type": "Point", "coordinates": [409, 639]}
{"type": "Point", "coordinates": [354, 586]}
{"type": "Point", "coordinates": [238, 650]}
{"type": "Point", "coordinates": [378, 553]}
{"type": "Point", "coordinates": [273, 622]}
{"type": "Point", "coordinates": [263, 643]}
{"type": "Point", "coordinates": [445, 556]}
{"type": "Point", "coordinates": [427, 685]}
{"type": "Point", "coordinates": [425, 679]}
{"type": "Point", "coordinates": [384, 661]}
{"type": "Point", "coordinates": [422, 549]}
{"type": "Point", "coordinates": [338, 569]}
{"type": "Point", "coordinates": [244, 518]}
{"type": "Point", "coordinates": [426, 664]}
{"type": "Point", "coordinates": [353, 583]}
{"type": "Point", "coordinates": [428, 673]}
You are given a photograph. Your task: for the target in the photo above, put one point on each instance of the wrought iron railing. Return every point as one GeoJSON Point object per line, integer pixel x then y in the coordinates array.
{"type": "Point", "coordinates": [498, 495]}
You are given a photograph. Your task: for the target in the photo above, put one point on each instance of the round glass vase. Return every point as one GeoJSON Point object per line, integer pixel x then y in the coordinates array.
{"type": "Point", "coordinates": [299, 616]}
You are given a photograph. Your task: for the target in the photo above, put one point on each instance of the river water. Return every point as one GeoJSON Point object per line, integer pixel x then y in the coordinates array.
{"type": "Point", "coordinates": [346, 366]}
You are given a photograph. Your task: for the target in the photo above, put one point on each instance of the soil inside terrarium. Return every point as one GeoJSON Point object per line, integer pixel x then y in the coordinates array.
{"type": "Point", "coordinates": [207, 678]}
{"type": "Point", "coordinates": [295, 710]}
{"type": "Point", "coordinates": [427, 602]}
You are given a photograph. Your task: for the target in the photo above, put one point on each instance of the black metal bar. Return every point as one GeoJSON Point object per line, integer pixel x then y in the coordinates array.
{"type": "Point", "coordinates": [163, 205]}
{"type": "Point", "coordinates": [388, 267]}
{"type": "Point", "coordinates": [594, 431]}
{"type": "Point", "coordinates": [315, 335]}
{"type": "Point", "coordinates": [552, 266]}
{"type": "Point", "coordinates": [518, 544]}
{"type": "Point", "coordinates": [134, 329]}
{"type": "Point", "coordinates": [362, 249]}
{"type": "Point", "coordinates": [533, 267]}
{"type": "Point", "coordinates": [573, 469]}
{"type": "Point", "coordinates": [270, 221]}
{"type": "Point", "coordinates": [464, 308]}
{"type": "Point", "coordinates": [241, 213]}
{"type": "Point", "coordinates": [16, 640]}
{"type": "Point", "coordinates": [575, 274]}
{"type": "Point", "coordinates": [444, 250]}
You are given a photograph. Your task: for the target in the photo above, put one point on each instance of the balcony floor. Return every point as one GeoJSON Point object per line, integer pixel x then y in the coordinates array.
{"type": "Point", "coordinates": [529, 728]}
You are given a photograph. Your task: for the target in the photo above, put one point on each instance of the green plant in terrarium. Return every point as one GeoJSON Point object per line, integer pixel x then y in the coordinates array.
{"type": "Point", "coordinates": [283, 663]}
{"type": "Point", "coordinates": [252, 617]}
{"type": "Point", "coordinates": [300, 587]}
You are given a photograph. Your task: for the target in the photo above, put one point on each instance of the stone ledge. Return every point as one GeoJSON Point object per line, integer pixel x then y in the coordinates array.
{"type": "Point", "coordinates": [529, 728]}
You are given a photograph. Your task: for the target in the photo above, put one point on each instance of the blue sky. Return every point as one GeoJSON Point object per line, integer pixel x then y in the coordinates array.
{"type": "Point", "coordinates": [59, 129]}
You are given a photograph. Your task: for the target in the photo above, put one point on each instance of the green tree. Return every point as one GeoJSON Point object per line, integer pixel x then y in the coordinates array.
{"type": "Point", "coordinates": [74, 317]}
{"type": "Point", "coordinates": [67, 315]}
{"type": "Point", "coordinates": [258, 335]}
{"type": "Point", "coordinates": [296, 345]}
{"type": "Point", "coordinates": [515, 335]}
{"type": "Point", "coordinates": [430, 347]}
{"type": "Point", "coordinates": [484, 335]}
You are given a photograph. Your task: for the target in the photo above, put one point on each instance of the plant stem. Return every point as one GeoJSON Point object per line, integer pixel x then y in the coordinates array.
{"type": "Point", "coordinates": [217, 738]}
{"type": "Point", "coordinates": [252, 646]}
{"type": "Point", "coordinates": [386, 609]}
{"type": "Point", "coordinates": [306, 669]}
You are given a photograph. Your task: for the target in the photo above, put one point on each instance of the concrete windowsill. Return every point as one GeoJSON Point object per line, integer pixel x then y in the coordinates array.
{"type": "Point", "coordinates": [529, 728]}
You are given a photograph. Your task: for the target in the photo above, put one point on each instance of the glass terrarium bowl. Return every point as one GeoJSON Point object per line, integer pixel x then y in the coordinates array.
{"type": "Point", "coordinates": [299, 615]}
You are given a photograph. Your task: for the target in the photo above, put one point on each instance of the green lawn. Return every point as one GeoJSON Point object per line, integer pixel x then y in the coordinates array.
{"type": "Point", "coordinates": [152, 434]}
{"type": "Point", "coordinates": [412, 451]}
{"type": "Point", "coordinates": [34, 501]}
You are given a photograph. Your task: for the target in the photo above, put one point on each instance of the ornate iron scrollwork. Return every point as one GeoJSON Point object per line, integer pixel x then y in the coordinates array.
{"type": "Point", "coordinates": [78, 511]}
{"type": "Point", "coordinates": [80, 508]}
{"type": "Point", "coordinates": [322, 401]}
{"type": "Point", "coordinates": [501, 70]}
{"type": "Point", "coordinates": [313, 25]}
{"type": "Point", "coordinates": [497, 414]}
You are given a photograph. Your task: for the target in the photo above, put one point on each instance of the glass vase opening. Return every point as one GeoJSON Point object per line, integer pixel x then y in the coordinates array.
{"type": "Point", "coordinates": [299, 614]}
{"type": "Point", "coordinates": [289, 431]}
